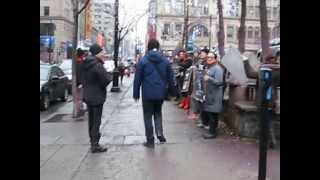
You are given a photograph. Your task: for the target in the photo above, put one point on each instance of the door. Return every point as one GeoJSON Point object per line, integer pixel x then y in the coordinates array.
{"type": "Point", "coordinates": [53, 83]}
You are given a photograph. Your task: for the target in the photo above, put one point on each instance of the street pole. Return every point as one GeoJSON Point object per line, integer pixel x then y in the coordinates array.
{"type": "Point", "coordinates": [115, 83]}
{"type": "Point", "coordinates": [266, 113]}
{"type": "Point", "coordinates": [210, 38]}
{"type": "Point", "coordinates": [187, 26]}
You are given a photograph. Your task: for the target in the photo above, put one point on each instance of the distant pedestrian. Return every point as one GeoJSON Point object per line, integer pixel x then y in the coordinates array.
{"type": "Point", "coordinates": [121, 71]}
{"type": "Point", "coordinates": [154, 74]}
{"type": "Point", "coordinates": [95, 80]}
{"type": "Point", "coordinates": [213, 103]}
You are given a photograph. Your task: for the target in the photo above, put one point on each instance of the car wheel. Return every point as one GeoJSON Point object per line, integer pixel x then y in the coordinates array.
{"type": "Point", "coordinates": [45, 102]}
{"type": "Point", "coordinates": [65, 95]}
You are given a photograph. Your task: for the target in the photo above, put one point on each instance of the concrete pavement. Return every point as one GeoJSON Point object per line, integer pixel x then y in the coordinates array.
{"type": "Point", "coordinates": [64, 148]}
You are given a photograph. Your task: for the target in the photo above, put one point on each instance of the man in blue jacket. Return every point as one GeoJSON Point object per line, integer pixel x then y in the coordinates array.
{"type": "Point", "coordinates": [155, 75]}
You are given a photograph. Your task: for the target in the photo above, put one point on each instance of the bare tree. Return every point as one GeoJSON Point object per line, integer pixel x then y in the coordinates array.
{"type": "Point", "coordinates": [221, 29]}
{"type": "Point", "coordinates": [76, 12]}
{"type": "Point", "coordinates": [241, 31]}
{"type": "Point", "coordinates": [119, 35]}
{"type": "Point", "coordinates": [264, 30]}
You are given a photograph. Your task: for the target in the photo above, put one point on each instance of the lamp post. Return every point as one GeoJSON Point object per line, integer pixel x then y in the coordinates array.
{"type": "Point", "coordinates": [115, 82]}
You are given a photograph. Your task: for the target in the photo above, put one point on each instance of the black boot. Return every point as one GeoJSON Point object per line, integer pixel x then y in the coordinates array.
{"type": "Point", "coordinates": [162, 139]}
{"type": "Point", "coordinates": [149, 143]}
{"type": "Point", "coordinates": [98, 149]}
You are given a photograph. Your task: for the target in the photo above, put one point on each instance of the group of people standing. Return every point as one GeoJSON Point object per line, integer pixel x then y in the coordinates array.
{"type": "Point", "coordinates": [200, 81]}
{"type": "Point", "coordinates": [195, 81]}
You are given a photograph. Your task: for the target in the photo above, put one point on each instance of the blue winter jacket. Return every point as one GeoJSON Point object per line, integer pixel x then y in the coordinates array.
{"type": "Point", "coordinates": [147, 76]}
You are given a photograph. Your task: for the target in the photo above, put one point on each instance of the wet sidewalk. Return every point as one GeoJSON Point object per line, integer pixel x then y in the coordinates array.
{"type": "Point", "coordinates": [64, 148]}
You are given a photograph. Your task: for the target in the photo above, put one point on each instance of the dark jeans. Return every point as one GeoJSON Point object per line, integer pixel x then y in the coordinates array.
{"type": "Point", "coordinates": [211, 119]}
{"type": "Point", "coordinates": [152, 108]}
{"type": "Point", "coordinates": [95, 114]}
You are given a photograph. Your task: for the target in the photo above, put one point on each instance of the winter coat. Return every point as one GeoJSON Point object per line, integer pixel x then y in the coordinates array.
{"type": "Point", "coordinates": [214, 89]}
{"type": "Point", "coordinates": [95, 79]}
{"type": "Point", "coordinates": [154, 87]}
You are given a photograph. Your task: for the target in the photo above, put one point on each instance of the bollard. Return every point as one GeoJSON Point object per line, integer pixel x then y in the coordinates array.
{"type": "Point", "coordinates": [265, 79]}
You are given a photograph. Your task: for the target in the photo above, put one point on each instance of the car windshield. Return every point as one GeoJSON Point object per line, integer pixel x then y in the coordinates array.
{"type": "Point", "coordinates": [44, 73]}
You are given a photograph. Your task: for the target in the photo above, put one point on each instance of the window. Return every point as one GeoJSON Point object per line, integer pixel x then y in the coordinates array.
{"type": "Point", "coordinates": [46, 11]}
{"type": "Point", "coordinates": [257, 34]}
{"type": "Point", "coordinates": [269, 12]}
{"type": "Point", "coordinates": [167, 7]}
{"type": "Point", "coordinates": [250, 32]}
{"type": "Point", "coordinates": [250, 12]}
{"type": "Point", "coordinates": [257, 12]}
{"type": "Point", "coordinates": [179, 28]}
{"type": "Point", "coordinates": [166, 29]}
{"type": "Point", "coordinates": [230, 33]}
{"type": "Point", "coordinates": [275, 13]}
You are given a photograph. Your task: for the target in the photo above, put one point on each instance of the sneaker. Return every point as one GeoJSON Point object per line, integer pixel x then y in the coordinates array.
{"type": "Point", "coordinates": [209, 136]}
{"type": "Point", "coordinates": [200, 125]}
{"type": "Point", "coordinates": [162, 139]}
{"type": "Point", "coordinates": [148, 144]}
{"type": "Point", "coordinates": [206, 127]}
{"type": "Point", "coordinates": [98, 149]}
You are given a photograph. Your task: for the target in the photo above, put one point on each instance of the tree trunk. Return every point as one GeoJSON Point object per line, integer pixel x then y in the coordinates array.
{"type": "Point", "coordinates": [76, 103]}
{"type": "Point", "coordinates": [185, 27]}
{"type": "Point", "coordinates": [116, 36]}
{"type": "Point", "coordinates": [264, 30]}
{"type": "Point", "coordinates": [221, 29]}
{"type": "Point", "coordinates": [241, 32]}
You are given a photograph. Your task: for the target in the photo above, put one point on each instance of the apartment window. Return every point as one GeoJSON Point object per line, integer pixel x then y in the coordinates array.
{"type": "Point", "coordinates": [257, 12]}
{"type": "Point", "coordinates": [275, 13]}
{"type": "Point", "coordinates": [166, 29]}
{"type": "Point", "coordinates": [269, 13]}
{"type": "Point", "coordinates": [257, 34]}
{"type": "Point", "coordinates": [250, 32]}
{"type": "Point", "coordinates": [250, 12]}
{"type": "Point", "coordinates": [47, 11]}
{"type": "Point", "coordinates": [179, 8]}
{"type": "Point", "coordinates": [179, 28]}
{"type": "Point", "coordinates": [230, 33]}
{"type": "Point", "coordinates": [167, 7]}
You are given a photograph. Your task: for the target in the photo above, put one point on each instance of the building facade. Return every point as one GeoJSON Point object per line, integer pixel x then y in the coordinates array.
{"type": "Point", "coordinates": [103, 20]}
{"type": "Point", "coordinates": [166, 23]}
{"type": "Point", "coordinates": [56, 29]}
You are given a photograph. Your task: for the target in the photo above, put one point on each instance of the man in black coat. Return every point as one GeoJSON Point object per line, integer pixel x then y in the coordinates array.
{"type": "Point", "coordinates": [95, 80]}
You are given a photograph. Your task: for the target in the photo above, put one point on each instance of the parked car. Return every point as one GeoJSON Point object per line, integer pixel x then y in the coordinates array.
{"type": "Point", "coordinates": [66, 67]}
{"type": "Point", "coordinates": [53, 85]}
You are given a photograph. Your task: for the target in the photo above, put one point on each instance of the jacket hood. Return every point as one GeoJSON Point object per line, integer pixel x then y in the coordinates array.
{"type": "Point", "coordinates": [89, 62]}
{"type": "Point", "coordinates": [155, 56]}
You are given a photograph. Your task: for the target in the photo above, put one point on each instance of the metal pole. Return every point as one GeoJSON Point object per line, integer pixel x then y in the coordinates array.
{"type": "Point", "coordinates": [266, 112]}
{"type": "Point", "coordinates": [115, 83]}
{"type": "Point", "coordinates": [187, 25]}
{"type": "Point", "coordinates": [210, 38]}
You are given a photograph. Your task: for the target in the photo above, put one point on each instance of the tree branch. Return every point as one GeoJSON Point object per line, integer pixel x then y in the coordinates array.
{"type": "Point", "coordinates": [84, 6]}
{"type": "Point", "coordinates": [121, 38]}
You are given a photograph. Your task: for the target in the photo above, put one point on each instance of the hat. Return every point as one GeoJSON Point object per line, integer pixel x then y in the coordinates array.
{"type": "Point", "coordinates": [95, 49]}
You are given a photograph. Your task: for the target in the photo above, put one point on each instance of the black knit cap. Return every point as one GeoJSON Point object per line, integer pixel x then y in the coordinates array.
{"type": "Point", "coordinates": [95, 49]}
